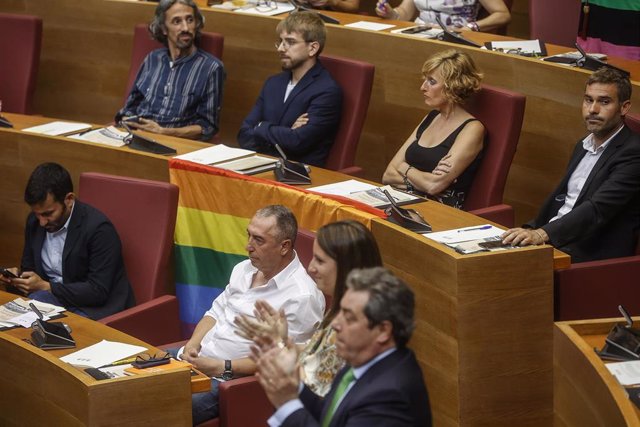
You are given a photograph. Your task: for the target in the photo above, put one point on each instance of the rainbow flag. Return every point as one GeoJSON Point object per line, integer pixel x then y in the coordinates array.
{"type": "Point", "coordinates": [214, 209]}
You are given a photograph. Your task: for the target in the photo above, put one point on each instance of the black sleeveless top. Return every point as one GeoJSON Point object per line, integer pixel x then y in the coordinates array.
{"type": "Point", "coordinates": [426, 159]}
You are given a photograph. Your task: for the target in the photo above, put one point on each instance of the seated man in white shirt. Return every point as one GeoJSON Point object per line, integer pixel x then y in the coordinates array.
{"type": "Point", "coordinates": [272, 273]}
{"type": "Point", "coordinates": [594, 213]}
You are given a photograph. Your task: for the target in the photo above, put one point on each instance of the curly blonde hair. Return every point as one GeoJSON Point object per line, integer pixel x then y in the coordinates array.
{"type": "Point", "coordinates": [461, 77]}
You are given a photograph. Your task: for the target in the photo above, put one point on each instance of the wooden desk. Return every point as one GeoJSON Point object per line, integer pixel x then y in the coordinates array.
{"type": "Point", "coordinates": [585, 392]}
{"type": "Point", "coordinates": [86, 53]}
{"type": "Point", "coordinates": [36, 388]}
{"type": "Point", "coordinates": [471, 310]}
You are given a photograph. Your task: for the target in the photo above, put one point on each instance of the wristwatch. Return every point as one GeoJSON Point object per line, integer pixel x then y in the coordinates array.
{"type": "Point", "coordinates": [228, 372]}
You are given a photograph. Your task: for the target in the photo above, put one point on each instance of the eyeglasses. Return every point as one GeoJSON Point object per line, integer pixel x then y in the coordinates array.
{"type": "Point", "coordinates": [265, 6]}
{"type": "Point", "coordinates": [152, 357]}
{"type": "Point", "coordinates": [517, 51]}
{"type": "Point", "coordinates": [287, 43]}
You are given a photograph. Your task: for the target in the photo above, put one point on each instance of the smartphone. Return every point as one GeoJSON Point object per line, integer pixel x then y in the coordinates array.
{"type": "Point", "coordinates": [416, 30]}
{"type": "Point", "coordinates": [131, 119]}
{"type": "Point", "coordinates": [8, 273]}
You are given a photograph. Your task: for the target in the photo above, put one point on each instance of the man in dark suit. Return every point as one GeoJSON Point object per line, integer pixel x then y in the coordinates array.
{"type": "Point", "coordinates": [72, 253]}
{"type": "Point", "coordinates": [381, 384]}
{"type": "Point", "coordinates": [594, 213]}
{"type": "Point", "coordinates": [298, 109]}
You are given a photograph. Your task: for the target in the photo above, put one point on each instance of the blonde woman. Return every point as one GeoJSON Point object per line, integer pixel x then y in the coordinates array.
{"type": "Point", "coordinates": [440, 158]}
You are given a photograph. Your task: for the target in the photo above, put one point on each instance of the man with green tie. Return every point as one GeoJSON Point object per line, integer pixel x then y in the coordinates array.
{"type": "Point", "coordinates": [381, 384]}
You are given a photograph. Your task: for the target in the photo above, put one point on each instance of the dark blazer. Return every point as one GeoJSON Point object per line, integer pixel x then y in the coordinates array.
{"type": "Point", "coordinates": [94, 278]}
{"type": "Point", "coordinates": [605, 219]}
{"type": "Point", "coordinates": [390, 394]}
{"type": "Point", "coordinates": [270, 120]}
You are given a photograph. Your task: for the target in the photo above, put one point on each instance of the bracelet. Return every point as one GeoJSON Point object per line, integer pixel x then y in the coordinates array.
{"type": "Point", "coordinates": [407, 171]}
{"type": "Point", "coordinates": [539, 235]}
{"type": "Point", "coordinates": [408, 185]}
{"type": "Point", "coordinates": [473, 26]}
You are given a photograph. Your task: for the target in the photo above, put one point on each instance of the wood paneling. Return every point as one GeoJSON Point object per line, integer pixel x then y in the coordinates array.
{"type": "Point", "coordinates": [476, 317]}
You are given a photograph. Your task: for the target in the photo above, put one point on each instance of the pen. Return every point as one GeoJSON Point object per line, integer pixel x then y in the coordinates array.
{"type": "Point", "coordinates": [120, 362]}
{"type": "Point", "coordinates": [484, 227]}
{"type": "Point", "coordinates": [86, 131]}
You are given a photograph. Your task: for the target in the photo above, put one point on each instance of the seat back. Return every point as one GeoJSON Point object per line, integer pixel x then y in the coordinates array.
{"type": "Point", "coordinates": [554, 21]}
{"type": "Point", "coordinates": [594, 289]}
{"type": "Point", "coordinates": [501, 112]}
{"type": "Point", "coordinates": [356, 80]}
{"type": "Point", "coordinates": [20, 40]}
{"type": "Point", "coordinates": [144, 215]}
{"type": "Point", "coordinates": [304, 246]}
{"type": "Point", "coordinates": [143, 44]}
{"type": "Point", "coordinates": [633, 121]}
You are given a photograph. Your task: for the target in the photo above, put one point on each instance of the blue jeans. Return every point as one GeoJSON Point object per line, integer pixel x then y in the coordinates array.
{"type": "Point", "coordinates": [204, 406]}
{"type": "Point", "coordinates": [48, 297]}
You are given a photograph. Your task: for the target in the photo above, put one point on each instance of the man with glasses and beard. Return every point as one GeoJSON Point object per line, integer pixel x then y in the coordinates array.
{"type": "Point", "coordinates": [178, 90]}
{"type": "Point", "coordinates": [298, 109]}
{"type": "Point", "coordinates": [594, 213]}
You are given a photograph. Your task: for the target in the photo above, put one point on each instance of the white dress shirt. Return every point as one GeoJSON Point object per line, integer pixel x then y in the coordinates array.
{"type": "Point", "coordinates": [52, 250]}
{"type": "Point", "coordinates": [582, 171]}
{"type": "Point", "coordinates": [292, 289]}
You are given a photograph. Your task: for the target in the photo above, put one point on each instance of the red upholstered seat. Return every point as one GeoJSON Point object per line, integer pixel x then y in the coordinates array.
{"type": "Point", "coordinates": [501, 214]}
{"type": "Point", "coordinates": [633, 121]}
{"type": "Point", "coordinates": [501, 111]}
{"type": "Point", "coordinates": [304, 246]}
{"type": "Point", "coordinates": [144, 214]}
{"type": "Point", "coordinates": [143, 44]}
{"type": "Point", "coordinates": [356, 79]}
{"type": "Point", "coordinates": [593, 289]}
{"type": "Point", "coordinates": [554, 21]}
{"type": "Point", "coordinates": [20, 39]}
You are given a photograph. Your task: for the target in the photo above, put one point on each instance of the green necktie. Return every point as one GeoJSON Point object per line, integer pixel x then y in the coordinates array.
{"type": "Point", "coordinates": [346, 380]}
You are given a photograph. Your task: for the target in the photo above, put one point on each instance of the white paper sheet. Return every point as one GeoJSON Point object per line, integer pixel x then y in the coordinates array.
{"type": "Point", "coordinates": [58, 128]}
{"type": "Point", "coordinates": [342, 188]}
{"type": "Point", "coordinates": [103, 353]}
{"type": "Point", "coordinates": [523, 45]}
{"type": "Point", "coordinates": [108, 136]}
{"type": "Point", "coordinates": [465, 234]}
{"type": "Point", "coordinates": [627, 373]}
{"type": "Point", "coordinates": [18, 312]}
{"type": "Point", "coordinates": [266, 11]}
{"type": "Point", "coordinates": [217, 153]}
{"type": "Point", "coordinates": [372, 26]}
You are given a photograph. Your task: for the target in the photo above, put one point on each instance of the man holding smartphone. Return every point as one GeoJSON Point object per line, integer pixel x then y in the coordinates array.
{"type": "Point", "coordinates": [178, 89]}
{"type": "Point", "coordinates": [72, 253]}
